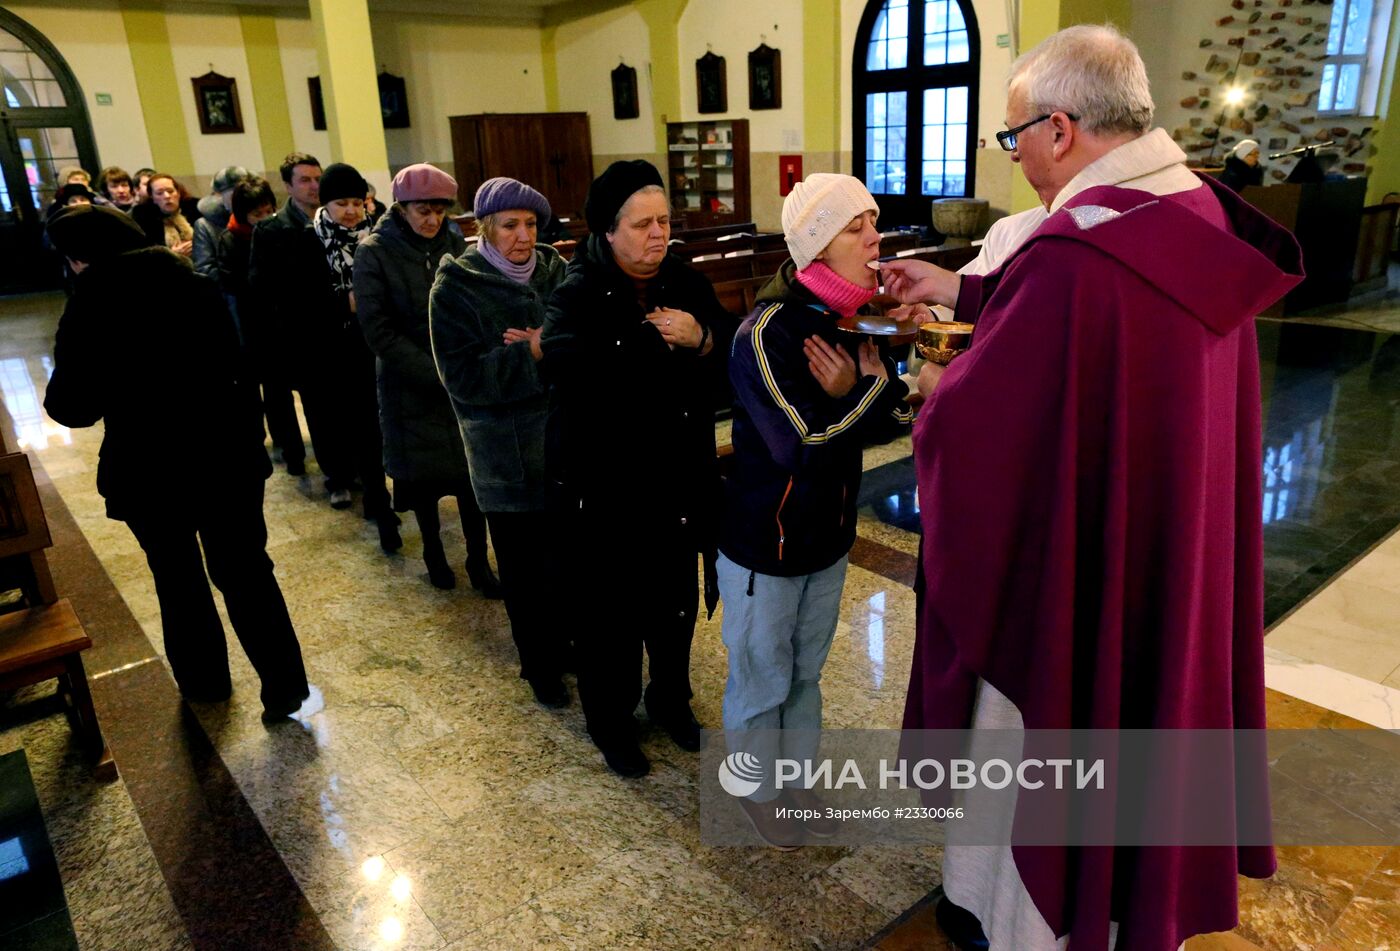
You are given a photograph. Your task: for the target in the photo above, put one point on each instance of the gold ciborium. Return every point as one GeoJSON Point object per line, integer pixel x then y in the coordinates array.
{"type": "Point", "coordinates": [939, 341]}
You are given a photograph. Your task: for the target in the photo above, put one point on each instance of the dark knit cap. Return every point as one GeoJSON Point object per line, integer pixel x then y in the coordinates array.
{"type": "Point", "coordinates": [342, 181]}
{"type": "Point", "coordinates": [71, 189]}
{"type": "Point", "coordinates": [505, 194]}
{"type": "Point", "coordinates": [91, 233]}
{"type": "Point", "coordinates": [610, 191]}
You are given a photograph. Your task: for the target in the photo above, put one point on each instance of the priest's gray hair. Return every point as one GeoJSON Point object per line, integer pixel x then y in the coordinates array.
{"type": "Point", "coordinates": [1092, 72]}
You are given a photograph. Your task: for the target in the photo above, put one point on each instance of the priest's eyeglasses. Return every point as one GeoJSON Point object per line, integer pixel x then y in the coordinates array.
{"type": "Point", "coordinates": [1007, 139]}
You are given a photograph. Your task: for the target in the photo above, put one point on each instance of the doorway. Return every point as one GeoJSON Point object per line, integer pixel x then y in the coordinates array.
{"type": "Point", "coordinates": [44, 128]}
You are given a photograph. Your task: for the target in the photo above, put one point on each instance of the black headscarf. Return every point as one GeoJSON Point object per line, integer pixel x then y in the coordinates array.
{"type": "Point", "coordinates": [92, 233]}
{"type": "Point", "coordinates": [610, 191]}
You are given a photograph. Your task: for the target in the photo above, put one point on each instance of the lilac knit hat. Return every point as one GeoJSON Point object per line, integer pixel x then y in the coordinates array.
{"type": "Point", "coordinates": [424, 182]}
{"type": "Point", "coordinates": [503, 194]}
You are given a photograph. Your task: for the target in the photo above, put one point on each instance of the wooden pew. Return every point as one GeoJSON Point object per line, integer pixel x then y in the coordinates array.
{"type": "Point", "coordinates": [41, 638]}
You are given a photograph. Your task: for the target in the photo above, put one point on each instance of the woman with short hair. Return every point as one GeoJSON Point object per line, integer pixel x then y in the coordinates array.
{"type": "Point", "coordinates": [115, 183]}
{"type": "Point", "coordinates": [423, 453]}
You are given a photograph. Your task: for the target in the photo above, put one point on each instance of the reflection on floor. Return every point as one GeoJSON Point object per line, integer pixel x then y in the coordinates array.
{"type": "Point", "coordinates": [424, 801]}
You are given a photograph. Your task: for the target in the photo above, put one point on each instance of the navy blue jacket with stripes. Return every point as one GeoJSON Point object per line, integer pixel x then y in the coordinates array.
{"type": "Point", "coordinates": [791, 493]}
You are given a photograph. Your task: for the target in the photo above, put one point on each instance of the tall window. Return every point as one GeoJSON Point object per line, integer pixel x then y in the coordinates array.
{"type": "Point", "coordinates": [1356, 42]}
{"type": "Point", "coordinates": [915, 100]}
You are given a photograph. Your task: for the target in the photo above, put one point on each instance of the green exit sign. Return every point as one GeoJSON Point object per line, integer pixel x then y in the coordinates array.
{"type": "Point", "coordinates": [104, 99]}
{"type": "Point", "coordinates": [1003, 40]}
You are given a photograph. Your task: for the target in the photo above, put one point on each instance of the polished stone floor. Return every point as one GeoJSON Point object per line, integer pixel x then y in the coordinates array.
{"type": "Point", "coordinates": [422, 800]}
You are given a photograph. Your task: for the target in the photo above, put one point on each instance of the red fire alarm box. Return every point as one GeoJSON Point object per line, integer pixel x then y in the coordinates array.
{"type": "Point", "coordinates": [789, 172]}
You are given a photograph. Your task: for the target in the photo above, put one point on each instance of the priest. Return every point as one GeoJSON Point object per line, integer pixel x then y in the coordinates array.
{"type": "Point", "coordinates": [1089, 477]}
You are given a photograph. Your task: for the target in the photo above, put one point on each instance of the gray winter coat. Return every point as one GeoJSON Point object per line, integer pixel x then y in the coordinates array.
{"type": "Point", "coordinates": [495, 389]}
{"type": "Point", "coordinates": [394, 270]}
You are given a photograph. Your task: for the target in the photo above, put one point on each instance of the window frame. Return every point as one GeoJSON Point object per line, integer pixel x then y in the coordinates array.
{"type": "Point", "coordinates": [1372, 62]}
{"type": "Point", "coordinates": [913, 79]}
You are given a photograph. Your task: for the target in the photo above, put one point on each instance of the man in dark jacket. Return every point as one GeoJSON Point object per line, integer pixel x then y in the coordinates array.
{"type": "Point", "coordinates": [214, 210]}
{"type": "Point", "coordinates": [629, 343]}
{"type": "Point", "coordinates": [125, 356]}
{"type": "Point", "coordinates": [267, 281]}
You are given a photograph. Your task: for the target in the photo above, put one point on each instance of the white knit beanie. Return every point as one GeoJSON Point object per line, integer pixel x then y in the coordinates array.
{"type": "Point", "coordinates": [817, 209]}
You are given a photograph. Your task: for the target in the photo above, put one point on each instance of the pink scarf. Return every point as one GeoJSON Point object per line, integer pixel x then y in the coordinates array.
{"type": "Point", "coordinates": [833, 290]}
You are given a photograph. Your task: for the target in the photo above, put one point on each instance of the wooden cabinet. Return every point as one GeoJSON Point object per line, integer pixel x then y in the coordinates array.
{"type": "Point", "coordinates": [707, 172]}
{"type": "Point", "coordinates": [549, 151]}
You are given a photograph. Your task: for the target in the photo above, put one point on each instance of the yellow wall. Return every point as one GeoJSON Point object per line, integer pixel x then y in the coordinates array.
{"type": "Point", "coordinates": [200, 39]}
{"type": "Point", "coordinates": [1385, 177]}
{"type": "Point", "coordinates": [455, 66]}
{"type": "Point", "coordinates": [586, 51]}
{"type": "Point", "coordinates": [297, 41]}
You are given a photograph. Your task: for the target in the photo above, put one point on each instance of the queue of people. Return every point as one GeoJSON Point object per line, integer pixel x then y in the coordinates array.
{"type": "Point", "coordinates": [1101, 440]}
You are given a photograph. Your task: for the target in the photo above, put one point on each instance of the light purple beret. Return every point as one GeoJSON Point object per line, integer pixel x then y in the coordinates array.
{"type": "Point", "coordinates": [424, 182]}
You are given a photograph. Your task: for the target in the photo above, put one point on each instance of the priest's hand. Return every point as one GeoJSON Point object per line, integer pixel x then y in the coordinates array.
{"type": "Point", "coordinates": [913, 282]}
{"type": "Point", "coordinates": [928, 378]}
{"type": "Point", "coordinates": [832, 366]}
{"type": "Point", "coordinates": [870, 362]}
{"type": "Point", "coordinates": [918, 313]}
{"type": "Point", "coordinates": [532, 337]}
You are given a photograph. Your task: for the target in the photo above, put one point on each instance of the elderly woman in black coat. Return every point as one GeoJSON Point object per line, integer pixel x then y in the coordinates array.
{"type": "Point", "coordinates": [633, 344]}
{"type": "Point", "coordinates": [423, 451]}
{"type": "Point", "coordinates": [125, 356]}
{"type": "Point", "coordinates": [487, 308]}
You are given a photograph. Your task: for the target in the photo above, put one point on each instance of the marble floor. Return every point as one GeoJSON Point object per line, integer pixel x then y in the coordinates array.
{"type": "Point", "coordinates": [423, 800]}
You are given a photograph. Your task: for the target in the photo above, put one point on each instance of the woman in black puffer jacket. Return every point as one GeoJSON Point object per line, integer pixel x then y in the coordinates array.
{"type": "Point", "coordinates": [423, 454]}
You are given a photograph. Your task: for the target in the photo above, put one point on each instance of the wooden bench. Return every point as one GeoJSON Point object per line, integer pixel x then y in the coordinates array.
{"type": "Point", "coordinates": [41, 637]}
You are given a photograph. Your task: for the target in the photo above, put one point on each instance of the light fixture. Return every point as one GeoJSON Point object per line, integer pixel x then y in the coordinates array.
{"type": "Point", "coordinates": [1235, 96]}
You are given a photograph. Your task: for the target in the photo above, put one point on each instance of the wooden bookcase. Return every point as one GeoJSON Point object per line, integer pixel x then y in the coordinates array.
{"type": "Point", "coordinates": [707, 172]}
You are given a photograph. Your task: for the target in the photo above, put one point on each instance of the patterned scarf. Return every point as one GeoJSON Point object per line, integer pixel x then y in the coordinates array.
{"type": "Point", "coordinates": [340, 243]}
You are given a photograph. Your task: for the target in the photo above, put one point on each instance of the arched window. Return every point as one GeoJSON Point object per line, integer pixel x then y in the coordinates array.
{"type": "Point", "coordinates": [915, 99]}
{"type": "Point", "coordinates": [43, 128]}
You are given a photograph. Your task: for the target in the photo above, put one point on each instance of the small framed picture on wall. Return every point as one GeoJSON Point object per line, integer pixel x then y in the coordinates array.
{"type": "Point", "coordinates": [216, 101]}
{"type": "Point", "coordinates": [765, 78]}
{"type": "Point", "coordinates": [710, 83]}
{"type": "Point", "coordinates": [624, 92]}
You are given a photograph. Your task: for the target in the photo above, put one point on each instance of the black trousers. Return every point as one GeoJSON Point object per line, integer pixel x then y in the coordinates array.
{"type": "Point", "coordinates": [234, 538]}
{"type": "Point", "coordinates": [521, 540]}
{"type": "Point", "coordinates": [342, 413]}
{"type": "Point", "coordinates": [644, 587]}
{"type": "Point", "coordinates": [282, 425]}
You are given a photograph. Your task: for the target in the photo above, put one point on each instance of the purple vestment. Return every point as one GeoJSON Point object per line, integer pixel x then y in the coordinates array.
{"type": "Point", "coordinates": [1090, 481]}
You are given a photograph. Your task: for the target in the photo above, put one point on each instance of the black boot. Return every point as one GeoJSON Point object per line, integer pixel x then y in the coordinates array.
{"type": "Point", "coordinates": [960, 925]}
{"type": "Point", "coordinates": [439, 572]}
{"type": "Point", "coordinates": [627, 760]}
{"type": "Point", "coordinates": [389, 538]}
{"type": "Point", "coordinates": [550, 691]}
{"type": "Point", "coordinates": [680, 725]}
{"type": "Point", "coordinates": [483, 579]}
